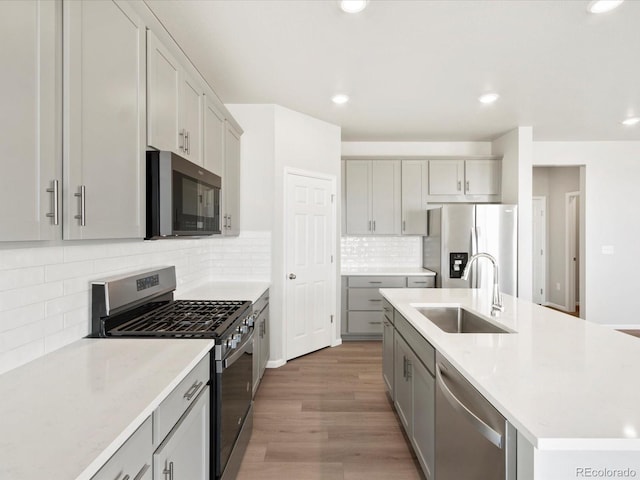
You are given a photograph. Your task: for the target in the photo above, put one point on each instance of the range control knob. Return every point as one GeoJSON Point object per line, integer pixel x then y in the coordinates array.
{"type": "Point", "coordinates": [245, 329]}
{"type": "Point", "coordinates": [250, 320]}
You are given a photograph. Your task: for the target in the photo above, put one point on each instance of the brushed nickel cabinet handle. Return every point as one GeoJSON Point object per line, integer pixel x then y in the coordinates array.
{"type": "Point", "coordinates": [459, 185]}
{"type": "Point", "coordinates": [56, 212]}
{"type": "Point", "coordinates": [181, 145]}
{"type": "Point", "coordinates": [192, 390]}
{"type": "Point", "coordinates": [83, 212]}
{"type": "Point", "coordinates": [467, 185]}
{"type": "Point", "coordinates": [168, 471]}
{"type": "Point", "coordinates": [375, 323]}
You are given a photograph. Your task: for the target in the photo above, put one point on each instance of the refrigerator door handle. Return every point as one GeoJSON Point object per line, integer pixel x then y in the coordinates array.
{"type": "Point", "coordinates": [474, 250]}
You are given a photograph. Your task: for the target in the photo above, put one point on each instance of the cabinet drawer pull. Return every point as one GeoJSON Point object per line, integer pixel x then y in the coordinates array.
{"type": "Point", "coordinates": [419, 283]}
{"type": "Point", "coordinates": [142, 471]}
{"type": "Point", "coordinates": [375, 323]}
{"type": "Point", "coordinates": [192, 390]}
{"type": "Point", "coordinates": [375, 299]}
{"type": "Point", "coordinates": [374, 282]}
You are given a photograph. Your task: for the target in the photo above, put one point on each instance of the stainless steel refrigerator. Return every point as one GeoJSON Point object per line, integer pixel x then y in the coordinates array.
{"type": "Point", "coordinates": [457, 231]}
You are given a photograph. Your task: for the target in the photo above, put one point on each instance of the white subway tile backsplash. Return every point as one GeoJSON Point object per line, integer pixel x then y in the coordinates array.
{"type": "Point", "coordinates": [381, 251]}
{"type": "Point", "coordinates": [45, 291]}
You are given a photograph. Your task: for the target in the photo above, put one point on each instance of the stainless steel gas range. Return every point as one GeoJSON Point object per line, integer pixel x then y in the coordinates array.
{"type": "Point", "coordinates": [142, 305]}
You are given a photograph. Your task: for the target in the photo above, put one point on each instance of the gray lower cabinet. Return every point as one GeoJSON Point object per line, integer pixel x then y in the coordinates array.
{"type": "Point", "coordinates": [260, 338]}
{"type": "Point", "coordinates": [185, 451]}
{"type": "Point", "coordinates": [362, 304]}
{"type": "Point", "coordinates": [413, 389]}
{"type": "Point", "coordinates": [133, 459]}
{"type": "Point", "coordinates": [388, 339]}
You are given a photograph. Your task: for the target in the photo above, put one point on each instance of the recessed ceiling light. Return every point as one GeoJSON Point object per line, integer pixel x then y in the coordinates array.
{"type": "Point", "coordinates": [488, 98]}
{"type": "Point", "coordinates": [631, 121]}
{"type": "Point", "coordinates": [602, 6]}
{"type": "Point", "coordinates": [353, 6]}
{"type": "Point", "coordinates": [340, 99]}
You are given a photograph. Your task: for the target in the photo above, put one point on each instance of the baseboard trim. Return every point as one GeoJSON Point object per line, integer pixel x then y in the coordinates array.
{"type": "Point", "coordinates": [555, 305]}
{"type": "Point", "coordinates": [276, 363]}
{"type": "Point", "coordinates": [337, 342]}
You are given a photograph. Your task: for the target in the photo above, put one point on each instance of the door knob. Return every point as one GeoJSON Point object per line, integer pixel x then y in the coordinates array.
{"type": "Point", "coordinates": [292, 276]}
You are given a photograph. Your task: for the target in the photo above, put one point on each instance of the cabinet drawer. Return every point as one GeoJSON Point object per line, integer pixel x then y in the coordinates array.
{"type": "Point", "coordinates": [131, 460]}
{"type": "Point", "coordinates": [365, 322]}
{"type": "Point", "coordinates": [177, 402]}
{"type": "Point", "coordinates": [388, 310]}
{"type": "Point", "coordinates": [421, 282]}
{"type": "Point", "coordinates": [422, 348]}
{"type": "Point", "coordinates": [364, 299]}
{"type": "Point", "coordinates": [378, 282]}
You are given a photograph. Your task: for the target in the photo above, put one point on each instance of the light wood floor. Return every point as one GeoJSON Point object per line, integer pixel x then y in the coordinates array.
{"type": "Point", "coordinates": [326, 416]}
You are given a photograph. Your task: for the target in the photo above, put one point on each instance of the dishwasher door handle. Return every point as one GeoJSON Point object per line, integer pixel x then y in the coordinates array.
{"type": "Point", "coordinates": [485, 430]}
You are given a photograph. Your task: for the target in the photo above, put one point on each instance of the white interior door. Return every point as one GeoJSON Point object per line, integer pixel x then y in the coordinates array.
{"type": "Point", "coordinates": [572, 200]}
{"type": "Point", "coordinates": [539, 249]}
{"type": "Point", "coordinates": [310, 220]}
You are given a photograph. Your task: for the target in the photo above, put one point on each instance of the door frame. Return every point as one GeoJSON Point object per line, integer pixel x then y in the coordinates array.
{"type": "Point", "coordinates": [542, 259]}
{"type": "Point", "coordinates": [335, 338]}
{"type": "Point", "coordinates": [572, 200]}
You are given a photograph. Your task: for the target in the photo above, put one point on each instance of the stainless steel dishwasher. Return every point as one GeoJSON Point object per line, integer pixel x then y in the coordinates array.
{"type": "Point", "coordinates": [473, 441]}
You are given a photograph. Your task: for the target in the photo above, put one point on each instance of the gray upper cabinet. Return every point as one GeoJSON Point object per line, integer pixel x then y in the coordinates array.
{"type": "Point", "coordinates": [372, 197]}
{"type": "Point", "coordinates": [176, 104]}
{"type": "Point", "coordinates": [192, 115]}
{"type": "Point", "coordinates": [446, 177]}
{"type": "Point", "coordinates": [214, 129]}
{"type": "Point", "coordinates": [482, 177]}
{"type": "Point", "coordinates": [472, 180]}
{"type": "Point", "coordinates": [231, 181]}
{"type": "Point", "coordinates": [415, 177]}
{"type": "Point", "coordinates": [30, 144]}
{"type": "Point", "coordinates": [163, 93]}
{"type": "Point", "coordinates": [104, 114]}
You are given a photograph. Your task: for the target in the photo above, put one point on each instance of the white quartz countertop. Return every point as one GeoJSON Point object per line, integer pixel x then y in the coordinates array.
{"type": "Point", "coordinates": [63, 415]}
{"type": "Point", "coordinates": [216, 290]}
{"type": "Point", "coordinates": [391, 271]}
{"type": "Point", "coordinates": [565, 383]}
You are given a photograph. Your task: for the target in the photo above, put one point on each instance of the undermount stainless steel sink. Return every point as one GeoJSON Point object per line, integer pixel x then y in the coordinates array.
{"type": "Point", "coordinates": [458, 320]}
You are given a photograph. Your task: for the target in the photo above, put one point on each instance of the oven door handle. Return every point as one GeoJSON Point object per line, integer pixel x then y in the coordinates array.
{"type": "Point", "coordinates": [227, 362]}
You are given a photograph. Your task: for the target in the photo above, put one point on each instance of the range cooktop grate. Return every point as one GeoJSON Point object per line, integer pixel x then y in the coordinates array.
{"type": "Point", "coordinates": [184, 318]}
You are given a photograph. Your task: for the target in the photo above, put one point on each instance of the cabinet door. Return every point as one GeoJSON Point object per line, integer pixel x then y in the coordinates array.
{"type": "Point", "coordinates": [104, 120]}
{"type": "Point", "coordinates": [402, 383]}
{"type": "Point", "coordinates": [163, 95]}
{"type": "Point", "coordinates": [445, 177]}
{"type": "Point", "coordinates": [358, 197]}
{"type": "Point", "coordinates": [385, 197]}
{"type": "Point", "coordinates": [415, 175]}
{"type": "Point", "coordinates": [213, 139]}
{"type": "Point", "coordinates": [185, 451]}
{"type": "Point", "coordinates": [231, 181]}
{"type": "Point", "coordinates": [257, 344]}
{"type": "Point", "coordinates": [29, 145]}
{"type": "Point", "coordinates": [423, 415]}
{"type": "Point", "coordinates": [387, 355]}
{"type": "Point", "coordinates": [482, 177]}
{"type": "Point", "coordinates": [192, 114]}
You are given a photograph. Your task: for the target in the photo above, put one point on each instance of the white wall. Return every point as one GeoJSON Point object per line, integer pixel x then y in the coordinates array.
{"type": "Point", "coordinates": [45, 299]}
{"type": "Point", "coordinates": [554, 183]}
{"type": "Point", "coordinates": [610, 186]}
{"type": "Point", "coordinates": [515, 147]}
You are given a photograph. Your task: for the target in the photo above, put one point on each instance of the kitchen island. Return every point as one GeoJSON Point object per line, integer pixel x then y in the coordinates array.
{"type": "Point", "coordinates": [566, 385]}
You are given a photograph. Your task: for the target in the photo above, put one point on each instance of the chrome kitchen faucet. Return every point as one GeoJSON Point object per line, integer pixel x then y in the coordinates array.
{"type": "Point", "coordinates": [496, 299]}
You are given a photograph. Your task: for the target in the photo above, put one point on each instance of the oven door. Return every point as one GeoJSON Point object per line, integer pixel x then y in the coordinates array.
{"type": "Point", "coordinates": [233, 384]}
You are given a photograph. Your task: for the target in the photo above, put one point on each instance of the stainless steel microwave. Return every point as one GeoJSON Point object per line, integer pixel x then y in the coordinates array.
{"type": "Point", "coordinates": [183, 199]}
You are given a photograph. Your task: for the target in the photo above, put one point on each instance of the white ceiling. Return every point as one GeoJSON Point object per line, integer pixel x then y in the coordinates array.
{"type": "Point", "coordinates": [414, 69]}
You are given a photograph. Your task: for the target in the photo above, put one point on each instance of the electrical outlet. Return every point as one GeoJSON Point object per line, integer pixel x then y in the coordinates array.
{"type": "Point", "coordinates": [558, 286]}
